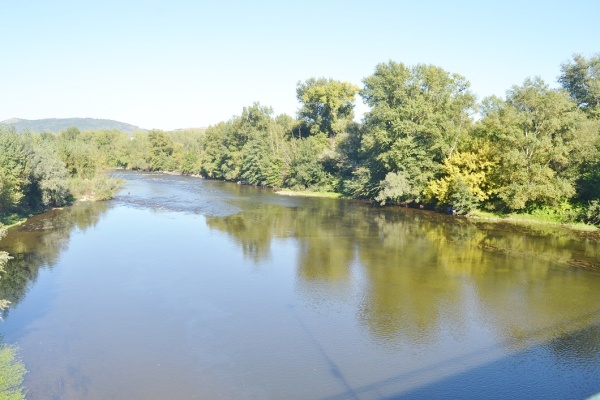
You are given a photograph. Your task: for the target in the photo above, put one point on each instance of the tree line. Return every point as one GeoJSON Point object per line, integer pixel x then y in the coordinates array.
{"type": "Point", "coordinates": [425, 140]}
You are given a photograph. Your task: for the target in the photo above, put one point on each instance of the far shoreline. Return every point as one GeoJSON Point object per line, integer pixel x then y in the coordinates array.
{"type": "Point", "coordinates": [478, 216]}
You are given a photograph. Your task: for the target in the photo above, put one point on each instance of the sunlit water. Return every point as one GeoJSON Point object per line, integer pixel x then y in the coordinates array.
{"type": "Point", "coordinates": [182, 288]}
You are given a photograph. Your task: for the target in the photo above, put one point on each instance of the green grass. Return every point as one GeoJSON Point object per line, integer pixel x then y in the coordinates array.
{"type": "Point", "coordinates": [98, 188]}
{"type": "Point", "coordinates": [543, 218]}
{"type": "Point", "coordinates": [12, 220]}
{"type": "Point", "coordinates": [309, 193]}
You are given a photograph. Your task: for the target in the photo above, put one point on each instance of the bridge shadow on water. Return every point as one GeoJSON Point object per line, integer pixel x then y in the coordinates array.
{"type": "Point", "coordinates": [564, 367]}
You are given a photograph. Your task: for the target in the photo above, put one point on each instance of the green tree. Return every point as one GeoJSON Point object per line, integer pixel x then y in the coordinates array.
{"type": "Point", "coordinates": [393, 188]}
{"type": "Point", "coordinates": [112, 145]}
{"type": "Point", "coordinates": [79, 153]}
{"type": "Point", "coordinates": [214, 150]}
{"type": "Point", "coordinates": [327, 105]}
{"type": "Point", "coordinates": [538, 141]}
{"type": "Point", "coordinates": [137, 150]}
{"type": "Point", "coordinates": [588, 179]}
{"type": "Point", "coordinates": [161, 150]}
{"type": "Point", "coordinates": [306, 168]}
{"type": "Point", "coordinates": [49, 178]}
{"type": "Point", "coordinates": [465, 178]}
{"type": "Point", "coordinates": [581, 78]}
{"type": "Point", "coordinates": [419, 116]}
{"type": "Point", "coordinates": [14, 171]}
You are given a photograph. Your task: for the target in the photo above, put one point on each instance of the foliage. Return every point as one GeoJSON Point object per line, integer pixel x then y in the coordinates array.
{"type": "Point", "coordinates": [161, 151]}
{"type": "Point", "coordinates": [538, 142]}
{"type": "Point", "coordinates": [394, 188]}
{"type": "Point", "coordinates": [581, 78]}
{"type": "Point", "coordinates": [588, 176]}
{"type": "Point", "coordinates": [327, 105]}
{"type": "Point", "coordinates": [419, 116]}
{"type": "Point", "coordinates": [137, 150]}
{"type": "Point", "coordinates": [592, 213]}
{"type": "Point", "coordinates": [49, 177]}
{"type": "Point", "coordinates": [306, 171]}
{"type": "Point", "coordinates": [536, 151]}
{"type": "Point", "coordinates": [97, 188]}
{"type": "Point", "coordinates": [13, 171]}
{"type": "Point", "coordinates": [466, 175]}
{"type": "Point", "coordinates": [463, 200]}
{"type": "Point", "coordinates": [360, 185]}
{"type": "Point", "coordinates": [79, 153]}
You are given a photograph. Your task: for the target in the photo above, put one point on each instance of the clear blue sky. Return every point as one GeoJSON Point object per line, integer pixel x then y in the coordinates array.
{"type": "Point", "coordinates": [176, 64]}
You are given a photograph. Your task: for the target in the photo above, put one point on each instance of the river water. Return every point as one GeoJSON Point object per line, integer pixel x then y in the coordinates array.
{"type": "Point", "coordinates": [182, 288]}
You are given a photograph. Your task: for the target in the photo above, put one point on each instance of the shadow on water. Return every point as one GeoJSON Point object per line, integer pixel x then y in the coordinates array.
{"type": "Point", "coordinates": [573, 373]}
{"type": "Point", "coordinates": [334, 370]}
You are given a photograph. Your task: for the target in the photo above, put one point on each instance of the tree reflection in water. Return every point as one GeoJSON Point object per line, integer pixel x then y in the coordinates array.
{"type": "Point", "coordinates": [422, 270]}
{"type": "Point", "coordinates": [38, 243]}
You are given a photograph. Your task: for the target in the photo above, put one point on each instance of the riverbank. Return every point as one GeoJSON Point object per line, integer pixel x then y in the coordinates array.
{"type": "Point", "coordinates": [520, 219]}
{"type": "Point", "coordinates": [513, 218]}
{"type": "Point", "coordinates": [99, 188]}
{"type": "Point", "coordinates": [529, 219]}
{"type": "Point", "coordinates": [308, 193]}
{"type": "Point", "coordinates": [11, 221]}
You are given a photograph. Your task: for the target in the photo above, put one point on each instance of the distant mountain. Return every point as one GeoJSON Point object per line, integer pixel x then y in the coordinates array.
{"type": "Point", "coordinates": [56, 125]}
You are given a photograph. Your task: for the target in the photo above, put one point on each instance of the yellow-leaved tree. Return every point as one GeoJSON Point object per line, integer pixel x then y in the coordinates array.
{"type": "Point", "coordinates": [465, 182]}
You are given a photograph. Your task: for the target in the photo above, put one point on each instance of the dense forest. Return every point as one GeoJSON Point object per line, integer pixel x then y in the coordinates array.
{"type": "Point", "coordinates": [425, 140]}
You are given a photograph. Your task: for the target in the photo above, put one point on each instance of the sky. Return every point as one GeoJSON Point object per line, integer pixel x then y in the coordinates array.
{"type": "Point", "coordinates": [181, 64]}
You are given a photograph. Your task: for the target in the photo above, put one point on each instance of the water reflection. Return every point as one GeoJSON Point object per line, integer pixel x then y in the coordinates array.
{"type": "Point", "coordinates": [38, 244]}
{"type": "Point", "coordinates": [425, 273]}
{"type": "Point", "coordinates": [265, 296]}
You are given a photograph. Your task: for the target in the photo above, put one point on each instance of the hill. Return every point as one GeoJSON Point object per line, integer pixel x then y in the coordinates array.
{"type": "Point", "coordinates": [56, 125]}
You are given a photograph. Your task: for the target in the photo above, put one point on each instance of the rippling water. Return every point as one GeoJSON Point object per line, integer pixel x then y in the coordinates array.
{"type": "Point", "coordinates": [186, 288]}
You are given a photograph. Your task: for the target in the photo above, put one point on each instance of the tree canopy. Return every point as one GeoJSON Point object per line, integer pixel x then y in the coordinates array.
{"type": "Point", "coordinates": [327, 105]}
{"type": "Point", "coordinates": [424, 140]}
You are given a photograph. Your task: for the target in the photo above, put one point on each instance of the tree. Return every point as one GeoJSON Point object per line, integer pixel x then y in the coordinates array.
{"type": "Point", "coordinates": [419, 116]}
{"type": "Point", "coordinates": [537, 137]}
{"type": "Point", "coordinates": [48, 178]}
{"type": "Point", "coordinates": [136, 150]}
{"type": "Point", "coordinates": [213, 150]}
{"type": "Point", "coordinates": [465, 178]}
{"type": "Point", "coordinates": [394, 188]}
{"type": "Point", "coordinates": [14, 171]}
{"type": "Point", "coordinates": [79, 153]}
{"type": "Point", "coordinates": [588, 179]}
{"type": "Point", "coordinates": [306, 169]}
{"type": "Point", "coordinates": [327, 105]}
{"type": "Point", "coordinates": [161, 150]}
{"type": "Point", "coordinates": [581, 78]}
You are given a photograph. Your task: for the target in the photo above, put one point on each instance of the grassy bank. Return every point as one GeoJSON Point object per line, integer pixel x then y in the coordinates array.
{"type": "Point", "coordinates": [308, 193]}
{"type": "Point", "coordinates": [99, 188]}
{"type": "Point", "coordinates": [8, 221]}
{"type": "Point", "coordinates": [541, 219]}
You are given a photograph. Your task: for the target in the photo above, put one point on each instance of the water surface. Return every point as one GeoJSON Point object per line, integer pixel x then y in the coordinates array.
{"type": "Point", "coordinates": [185, 288]}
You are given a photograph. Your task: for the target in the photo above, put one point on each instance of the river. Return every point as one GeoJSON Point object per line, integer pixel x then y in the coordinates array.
{"type": "Point", "coordinates": [182, 288]}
